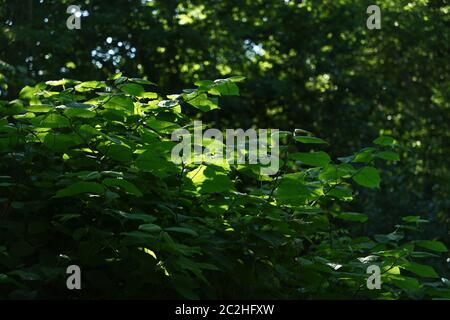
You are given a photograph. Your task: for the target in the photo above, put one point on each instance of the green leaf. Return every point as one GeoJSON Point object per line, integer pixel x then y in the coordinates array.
{"type": "Point", "coordinates": [133, 89]}
{"type": "Point", "coordinates": [432, 245]}
{"type": "Point", "coordinates": [414, 219]}
{"type": "Point", "coordinates": [88, 131]}
{"type": "Point", "coordinates": [368, 177]}
{"type": "Point", "coordinates": [120, 103]}
{"type": "Point", "coordinates": [210, 179]}
{"type": "Point", "coordinates": [317, 159]}
{"type": "Point", "coordinates": [224, 87]}
{"type": "Point", "coordinates": [124, 184]}
{"type": "Point", "coordinates": [353, 216]}
{"type": "Point", "coordinates": [150, 227]}
{"type": "Point", "coordinates": [135, 216]}
{"type": "Point", "coordinates": [141, 81]}
{"type": "Point", "coordinates": [236, 78]}
{"type": "Point", "coordinates": [203, 103]}
{"type": "Point", "coordinates": [79, 113]}
{"type": "Point", "coordinates": [51, 120]}
{"type": "Point", "coordinates": [418, 254]}
{"type": "Point", "coordinates": [137, 237]}
{"type": "Point", "coordinates": [334, 172]}
{"type": "Point", "coordinates": [162, 126]}
{"type": "Point", "coordinates": [119, 152]}
{"type": "Point", "coordinates": [204, 83]}
{"type": "Point", "coordinates": [388, 155]}
{"type": "Point", "coordinates": [217, 184]}
{"type": "Point", "coordinates": [421, 270]}
{"type": "Point", "coordinates": [154, 162]}
{"type": "Point", "coordinates": [57, 83]}
{"type": "Point", "coordinates": [292, 190]}
{"type": "Point", "coordinates": [115, 76]}
{"type": "Point", "coordinates": [80, 187]}
{"type": "Point", "coordinates": [61, 142]}
{"type": "Point", "coordinates": [89, 85]}
{"type": "Point", "coordinates": [309, 140]}
{"type": "Point", "coordinates": [384, 141]}
{"type": "Point", "coordinates": [148, 95]}
{"type": "Point", "coordinates": [182, 230]}
{"type": "Point", "coordinates": [29, 93]}
{"type": "Point", "coordinates": [406, 283]}
{"type": "Point", "coordinates": [366, 155]}
{"type": "Point", "coordinates": [40, 108]}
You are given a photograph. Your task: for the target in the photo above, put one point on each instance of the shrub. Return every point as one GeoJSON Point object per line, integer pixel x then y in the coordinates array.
{"type": "Point", "coordinates": [86, 179]}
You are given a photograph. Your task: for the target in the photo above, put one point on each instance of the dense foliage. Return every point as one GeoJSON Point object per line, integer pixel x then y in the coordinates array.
{"type": "Point", "coordinates": [309, 64]}
{"type": "Point", "coordinates": [86, 179]}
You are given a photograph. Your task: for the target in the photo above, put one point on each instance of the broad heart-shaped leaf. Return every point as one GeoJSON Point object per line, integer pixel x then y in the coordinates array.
{"type": "Point", "coordinates": [61, 142]}
{"type": "Point", "coordinates": [118, 152]}
{"type": "Point", "coordinates": [50, 120]}
{"type": "Point", "coordinates": [292, 190]}
{"type": "Point", "coordinates": [368, 177]}
{"type": "Point", "coordinates": [317, 159]}
{"type": "Point", "coordinates": [79, 113]}
{"type": "Point", "coordinates": [121, 103]}
{"type": "Point", "coordinates": [384, 141]}
{"type": "Point", "coordinates": [123, 184]}
{"type": "Point", "coordinates": [224, 87]}
{"type": "Point", "coordinates": [404, 282]}
{"type": "Point", "coordinates": [341, 192]}
{"type": "Point", "coordinates": [133, 89]}
{"type": "Point", "coordinates": [88, 131]}
{"type": "Point", "coordinates": [80, 187]}
{"type": "Point", "coordinates": [365, 155]}
{"type": "Point", "coordinates": [162, 126]}
{"type": "Point", "coordinates": [89, 85]}
{"type": "Point", "coordinates": [148, 95]}
{"type": "Point", "coordinates": [217, 184]}
{"type": "Point", "coordinates": [388, 155]}
{"type": "Point", "coordinates": [353, 216]}
{"type": "Point", "coordinates": [210, 179]}
{"type": "Point", "coordinates": [308, 139]}
{"type": "Point", "coordinates": [421, 270]}
{"type": "Point", "coordinates": [334, 172]}
{"type": "Point", "coordinates": [155, 162]}
{"type": "Point", "coordinates": [432, 245]}
{"type": "Point", "coordinates": [115, 76]}
{"type": "Point", "coordinates": [202, 102]}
